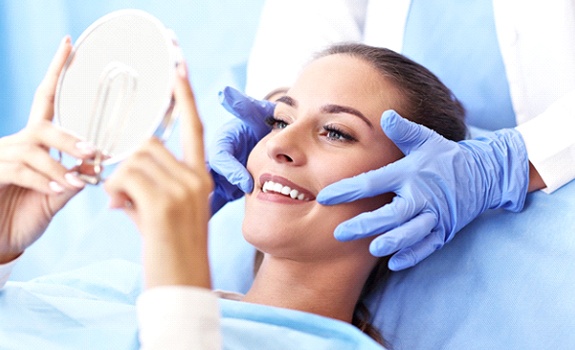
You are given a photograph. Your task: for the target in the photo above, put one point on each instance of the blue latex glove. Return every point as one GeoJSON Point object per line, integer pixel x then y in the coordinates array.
{"type": "Point", "coordinates": [440, 187]}
{"type": "Point", "coordinates": [227, 156]}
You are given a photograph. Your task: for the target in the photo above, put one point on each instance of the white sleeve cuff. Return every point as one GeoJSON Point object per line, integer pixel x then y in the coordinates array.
{"type": "Point", "coordinates": [550, 142]}
{"type": "Point", "coordinates": [178, 317]}
{"type": "Point", "coordinates": [5, 270]}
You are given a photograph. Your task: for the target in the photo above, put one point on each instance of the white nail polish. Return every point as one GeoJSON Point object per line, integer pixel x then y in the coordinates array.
{"type": "Point", "coordinates": [74, 180]}
{"type": "Point", "coordinates": [56, 187]}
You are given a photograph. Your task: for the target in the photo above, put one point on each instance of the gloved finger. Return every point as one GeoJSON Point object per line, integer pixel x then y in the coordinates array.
{"type": "Point", "coordinates": [404, 236]}
{"type": "Point", "coordinates": [223, 193]}
{"type": "Point", "coordinates": [369, 184]}
{"type": "Point", "coordinates": [407, 135]}
{"type": "Point", "coordinates": [225, 164]}
{"type": "Point", "coordinates": [216, 202]}
{"type": "Point", "coordinates": [378, 221]}
{"type": "Point", "coordinates": [251, 111]}
{"type": "Point", "coordinates": [411, 256]}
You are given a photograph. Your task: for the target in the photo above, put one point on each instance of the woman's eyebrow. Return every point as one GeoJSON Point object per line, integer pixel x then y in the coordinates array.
{"type": "Point", "coordinates": [329, 108]}
{"type": "Point", "coordinates": [345, 109]}
{"type": "Point", "coordinates": [287, 100]}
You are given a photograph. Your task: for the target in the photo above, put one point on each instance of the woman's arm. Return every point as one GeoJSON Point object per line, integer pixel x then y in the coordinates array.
{"type": "Point", "coordinates": [167, 199]}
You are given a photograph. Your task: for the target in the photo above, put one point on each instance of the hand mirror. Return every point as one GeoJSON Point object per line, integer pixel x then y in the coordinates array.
{"type": "Point", "coordinates": [115, 90]}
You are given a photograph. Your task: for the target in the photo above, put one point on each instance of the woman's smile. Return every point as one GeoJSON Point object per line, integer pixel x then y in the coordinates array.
{"type": "Point", "coordinates": [279, 189]}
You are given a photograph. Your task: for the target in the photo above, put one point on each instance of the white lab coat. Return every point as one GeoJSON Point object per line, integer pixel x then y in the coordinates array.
{"type": "Point", "coordinates": [536, 40]}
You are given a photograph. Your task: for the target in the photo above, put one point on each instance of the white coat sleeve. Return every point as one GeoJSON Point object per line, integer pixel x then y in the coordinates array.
{"type": "Point", "coordinates": [178, 317]}
{"type": "Point", "coordinates": [550, 142]}
{"type": "Point", "coordinates": [290, 32]}
{"type": "Point", "coordinates": [540, 68]}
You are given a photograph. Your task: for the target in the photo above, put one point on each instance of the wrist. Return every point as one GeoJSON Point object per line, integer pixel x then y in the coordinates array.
{"type": "Point", "coordinates": [513, 175]}
{"type": "Point", "coordinates": [181, 262]}
{"type": "Point", "coordinates": [535, 180]}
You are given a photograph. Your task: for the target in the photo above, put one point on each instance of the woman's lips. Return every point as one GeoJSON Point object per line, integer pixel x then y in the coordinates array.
{"type": "Point", "coordinates": [279, 188]}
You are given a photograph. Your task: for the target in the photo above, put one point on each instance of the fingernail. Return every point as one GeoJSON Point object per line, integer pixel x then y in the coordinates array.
{"type": "Point", "coordinates": [74, 180]}
{"type": "Point", "coordinates": [400, 262]}
{"type": "Point", "coordinates": [66, 40]}
{"type": "Point", "coordinates": [246, 186]}
{"type": "Point", "coordinates": [85, 147]}
{"type": "Point", "coordinates": [321, 198]}
{"type": "Point", "coordinates": [182, 69]}
{"type": "Point", "coordinates": [56, 187]}
{"type": "Point", "coordinates": [341, 235]}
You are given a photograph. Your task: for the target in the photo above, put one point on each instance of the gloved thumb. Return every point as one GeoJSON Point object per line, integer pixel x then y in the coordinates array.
{"type": "Point", "coordinates": [407, 135]}
{"type": "Point", "coordinates": [251, 111]}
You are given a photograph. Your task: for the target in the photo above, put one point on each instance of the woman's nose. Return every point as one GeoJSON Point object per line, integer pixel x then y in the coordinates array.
{"type": "Point", "coordinates": [287, 146]}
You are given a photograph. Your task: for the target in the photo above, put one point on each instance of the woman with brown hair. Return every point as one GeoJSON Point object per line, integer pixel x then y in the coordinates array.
{"type": "Point", "coordinates": [328, 126]}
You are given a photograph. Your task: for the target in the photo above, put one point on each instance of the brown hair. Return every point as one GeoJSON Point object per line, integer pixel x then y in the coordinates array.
{"type": "Point", "coordinates": [426, 101]}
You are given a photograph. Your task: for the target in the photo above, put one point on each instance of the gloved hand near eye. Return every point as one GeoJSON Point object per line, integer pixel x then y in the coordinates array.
{"type": "Point", "coordinates": [228, 155]}
{"type": "Point", "coordinates": [440, 186]}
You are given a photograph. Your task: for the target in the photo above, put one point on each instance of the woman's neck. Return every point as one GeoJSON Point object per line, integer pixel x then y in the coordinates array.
{"type": "Point", "coordinates": [327, 288]}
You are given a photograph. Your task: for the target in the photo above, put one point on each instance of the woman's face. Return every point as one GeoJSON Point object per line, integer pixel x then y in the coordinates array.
{"type": "Point", "coordinates": [325, 129]}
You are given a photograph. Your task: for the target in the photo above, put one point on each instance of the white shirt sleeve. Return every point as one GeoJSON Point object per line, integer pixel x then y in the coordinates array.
{"type": "Point", "coordinates": [550, 142]}
{"type": "Point", "coordinates": [178, 317]}
{"type": "Point", "coordinates": [290, 32]}
{"type": "Point", "coordinates": [5, 270]}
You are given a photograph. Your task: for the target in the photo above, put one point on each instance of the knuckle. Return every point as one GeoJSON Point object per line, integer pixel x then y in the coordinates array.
{"type": "Point", "coordinates": [199, 186]}
{"type": "Point", "coordinates": [36, 129]}
{"type": "Point", "coordinates": [27, 148]}
{"type": "Point", "coordinates": [18, 168]}
{"type": "Point", "coordinates": [32, 129]}
{"type": "Point", "coordinates": [141, 156]}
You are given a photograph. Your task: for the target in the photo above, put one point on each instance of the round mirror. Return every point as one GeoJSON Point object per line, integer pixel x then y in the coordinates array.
{"type": "Point", "coordinates": [116, 88]}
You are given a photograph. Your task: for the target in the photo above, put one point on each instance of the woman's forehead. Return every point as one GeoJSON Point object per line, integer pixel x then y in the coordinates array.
{"type": "Point", "coordinates": [345, 80]}
{"type": "Point", "coordinates": [340, 70]}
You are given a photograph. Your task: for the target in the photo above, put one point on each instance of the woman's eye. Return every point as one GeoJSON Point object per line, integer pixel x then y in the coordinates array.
{"type": "Point", "coordinates": [275, 123]}
{"type": "Point", "coordinates": [334, 134]}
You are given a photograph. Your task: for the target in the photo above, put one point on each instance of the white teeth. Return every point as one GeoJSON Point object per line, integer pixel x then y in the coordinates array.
{"type": "Point", "coordinates": [270, 186]}
{"type": "Point", "coordinates": [277, 187]}
{"type": "Point", "coordinates": [293, 194]}
{"type": "Point", "coordinates": [286, 190]}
